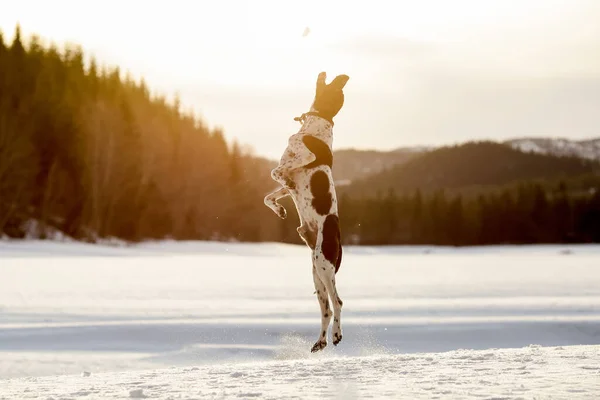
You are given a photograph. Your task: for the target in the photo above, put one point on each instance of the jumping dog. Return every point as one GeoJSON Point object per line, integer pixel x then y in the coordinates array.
{"type": "Point", "coordinates": [304, 172]}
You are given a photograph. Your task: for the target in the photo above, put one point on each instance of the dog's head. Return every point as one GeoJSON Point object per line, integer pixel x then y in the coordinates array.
{"type": "Point", "coordinates": [329, 98]}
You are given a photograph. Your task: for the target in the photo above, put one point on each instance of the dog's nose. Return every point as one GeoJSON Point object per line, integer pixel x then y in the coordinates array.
{"type": "Point", "coordinates": [339, 82]}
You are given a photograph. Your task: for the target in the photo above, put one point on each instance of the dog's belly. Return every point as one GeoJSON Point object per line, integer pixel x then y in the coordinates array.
{"type": "Point", "coordinates": [314, 195]}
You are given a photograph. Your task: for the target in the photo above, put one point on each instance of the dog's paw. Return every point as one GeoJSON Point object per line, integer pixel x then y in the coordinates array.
{"type": "Point", "coordinates": [281, 212]}
{"type": "Point", "coordinates": [337, 337]}
{"type": "Point", "coordinates": [320, 345]}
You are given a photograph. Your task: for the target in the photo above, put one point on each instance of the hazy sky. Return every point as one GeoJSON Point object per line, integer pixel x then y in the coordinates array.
{"type": "Point", "coordinates": [421, 72]}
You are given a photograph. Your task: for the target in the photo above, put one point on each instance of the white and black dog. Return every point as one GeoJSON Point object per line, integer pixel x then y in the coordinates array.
{"type": "Point", "coordinates": [304, 171]}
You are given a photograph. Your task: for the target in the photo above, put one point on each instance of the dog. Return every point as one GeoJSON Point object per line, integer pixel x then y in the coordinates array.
{"type": "Point", "coordinates": [305, 174]}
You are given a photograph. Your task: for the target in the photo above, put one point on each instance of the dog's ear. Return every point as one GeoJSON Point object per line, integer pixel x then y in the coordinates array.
{"type": "Point", "coordinates": [339, 82]}
{"type": "Point", "coordinates": [321, 85]}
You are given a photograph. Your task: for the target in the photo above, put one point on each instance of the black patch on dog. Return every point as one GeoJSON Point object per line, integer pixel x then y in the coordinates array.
{"type": "Point", "coordinates": [321, 151]}
{"type": "Point", "coordinates": [332, 244]}
{"type": "Point", "coordinates": [319, 187]}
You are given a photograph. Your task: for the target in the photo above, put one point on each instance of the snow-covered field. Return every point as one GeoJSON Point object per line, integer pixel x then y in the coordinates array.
{"type": "Point", "coordinates": [238, 320]}
{"type": "Point", "coordinates": [528, 373]}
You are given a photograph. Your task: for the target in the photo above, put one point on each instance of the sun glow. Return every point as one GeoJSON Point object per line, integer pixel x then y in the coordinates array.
{"type": "Point", "coordinates": [247, 43]}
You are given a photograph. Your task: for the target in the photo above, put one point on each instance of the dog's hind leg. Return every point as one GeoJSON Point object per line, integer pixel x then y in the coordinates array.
{"type": "Point", "coordinates": [323, 298]}
{"type": "Point", "coordinates": [271, 202]}
{"type": "Point", "coordinates": [326, 272]}
{"type": "Point", "coordinates": [336, 330]}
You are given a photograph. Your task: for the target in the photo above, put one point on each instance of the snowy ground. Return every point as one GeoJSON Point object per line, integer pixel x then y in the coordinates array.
{"type": "Point", "coordinates": [246, 310]}
{"type": "Point", "coordinates": [534, 372]}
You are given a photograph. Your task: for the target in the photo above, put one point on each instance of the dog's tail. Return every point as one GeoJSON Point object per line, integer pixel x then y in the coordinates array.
{"type": "Point", "coordinates": [338, 262]}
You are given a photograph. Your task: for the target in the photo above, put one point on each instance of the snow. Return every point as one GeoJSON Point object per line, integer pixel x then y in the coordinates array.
{"type": "Point", "coordinates": [220, 320]}
{"type": "Point", "coordinates": [532, 372]}
{"type": "Point", "coordinates": [588, 149]}
{"type": "Point", "coordinates": [343, 182]}
{"type": "Point", "coordinates": [527, 146]}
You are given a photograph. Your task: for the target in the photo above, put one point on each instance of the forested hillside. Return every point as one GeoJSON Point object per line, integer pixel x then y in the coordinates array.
{"type": "Point", "coordinates": [474, 164]}
{"type": "Point", "coordinates": [474, 194]}
{"type": "Point", "coordinates": [89, 152]}
{"type": "Point", "coordinates": [353, 164]}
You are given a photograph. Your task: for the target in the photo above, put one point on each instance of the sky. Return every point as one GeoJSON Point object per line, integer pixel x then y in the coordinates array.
{"type": "Point", "coordinates": [427, 72]}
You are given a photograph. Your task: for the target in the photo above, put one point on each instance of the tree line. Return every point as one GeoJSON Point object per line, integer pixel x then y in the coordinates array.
{"type": "Point", "coordinates": [523, 213]}
{"type": "Point", "coordinates": [92, 153]}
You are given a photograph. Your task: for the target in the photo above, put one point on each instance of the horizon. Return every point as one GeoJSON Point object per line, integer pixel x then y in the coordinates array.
{"type": "Point", "coordinates": [467, 72]}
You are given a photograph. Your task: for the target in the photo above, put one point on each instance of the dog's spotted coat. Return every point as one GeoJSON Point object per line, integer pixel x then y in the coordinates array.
{"type": "Point", "coordinates": [304, 173]}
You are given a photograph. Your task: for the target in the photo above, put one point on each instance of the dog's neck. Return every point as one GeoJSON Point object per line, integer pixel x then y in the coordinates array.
{"type": "Point", "coordinates": [317, 126]}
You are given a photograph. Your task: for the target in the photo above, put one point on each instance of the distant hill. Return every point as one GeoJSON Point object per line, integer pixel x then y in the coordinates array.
{"type": "Point", "coordinates": [351, 164]}
{"type": "Point", "coordinates": [471, 164]}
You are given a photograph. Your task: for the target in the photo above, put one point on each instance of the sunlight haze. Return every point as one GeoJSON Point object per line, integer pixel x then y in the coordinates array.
{"type": "Point", "coordinates": [421, 73]}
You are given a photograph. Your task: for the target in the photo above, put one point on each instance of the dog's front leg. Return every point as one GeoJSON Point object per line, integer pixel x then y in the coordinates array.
{"type": "Point", "coordinates": [271, 201]}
